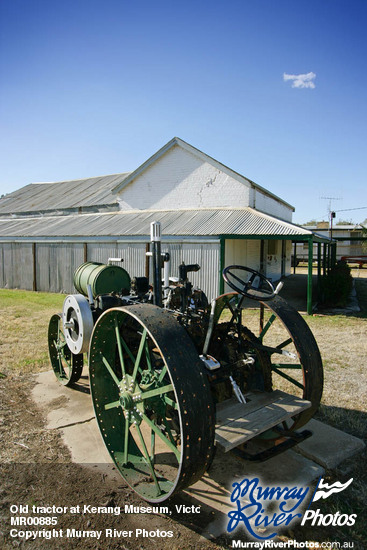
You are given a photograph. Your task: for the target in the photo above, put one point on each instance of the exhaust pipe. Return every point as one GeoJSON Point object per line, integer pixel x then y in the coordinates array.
{"type": "Point", "coordinates": [155, 237]}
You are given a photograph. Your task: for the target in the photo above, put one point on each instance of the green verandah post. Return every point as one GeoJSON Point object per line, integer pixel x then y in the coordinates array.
{"type": "Point", "coordinates": [319, 272]}
{"type": "Point", "coordinates": [221, 264]}
{"type": "Point", "coordinates": [309, 277]}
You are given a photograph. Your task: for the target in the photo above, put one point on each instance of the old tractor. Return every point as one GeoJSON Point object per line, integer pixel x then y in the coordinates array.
{"type": "Point", "coordinates": [173, 377]}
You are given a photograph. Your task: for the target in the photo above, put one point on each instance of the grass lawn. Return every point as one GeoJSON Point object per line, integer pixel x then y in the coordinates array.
{"type": "Point", "coordinates": [24, 318]}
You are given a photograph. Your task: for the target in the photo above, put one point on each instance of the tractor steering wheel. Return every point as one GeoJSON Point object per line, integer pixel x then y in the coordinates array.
{"type": "Point", "coordinates": [263, 291]}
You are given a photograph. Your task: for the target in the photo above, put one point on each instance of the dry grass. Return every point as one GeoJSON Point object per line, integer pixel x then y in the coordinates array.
{"type": "Point", "coordinates": [24, 318]}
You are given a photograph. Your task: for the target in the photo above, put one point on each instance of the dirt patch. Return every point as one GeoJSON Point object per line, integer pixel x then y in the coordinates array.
{"type": "Point", "coordinates": [36, 469]}
{"type": "Point", "coordinates": [57, 403]}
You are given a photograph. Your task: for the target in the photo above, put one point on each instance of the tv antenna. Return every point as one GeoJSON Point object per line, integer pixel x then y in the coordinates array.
{"type": "Point", "coordinates": [331, 212]}
{"type": "Point", "coordinates": [331, 199]}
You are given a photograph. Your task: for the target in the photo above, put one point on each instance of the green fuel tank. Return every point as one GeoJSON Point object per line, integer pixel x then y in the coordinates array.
{"type": "Point", "coordinates": [102, 278]}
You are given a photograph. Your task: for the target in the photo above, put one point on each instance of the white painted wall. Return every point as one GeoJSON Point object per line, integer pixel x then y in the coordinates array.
{"type": "Point", "coordinates": [242, 252]}
{"type": "Point", "coordinates": [247, 253]}
{"type": "Point", "coordinates": [273, 260]}
{"type": "Point", "coordinates": [180, 179]}
{"type": "Point", "coordinates": [271, 206]}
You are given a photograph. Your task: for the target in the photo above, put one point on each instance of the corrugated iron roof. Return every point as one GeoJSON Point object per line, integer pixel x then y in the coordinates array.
{"type": "Point", "coordinates": [40, 197]}
{"type": "Point", "coordinates": [203, 222]}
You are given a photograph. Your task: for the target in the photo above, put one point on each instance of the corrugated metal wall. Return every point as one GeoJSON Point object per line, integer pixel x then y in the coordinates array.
{"type": "Point", "coordinates": [56, 263]}
{"type": "Point", "coordinates": [207, 255]}
{"type": "Point", "coordinates": [133, 255]}
{"type": "Point", "coordinates": [16, 265]}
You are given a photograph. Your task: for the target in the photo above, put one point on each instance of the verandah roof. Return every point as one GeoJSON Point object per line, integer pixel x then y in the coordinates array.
{"type": "Point", "coordinates": [222, 222]}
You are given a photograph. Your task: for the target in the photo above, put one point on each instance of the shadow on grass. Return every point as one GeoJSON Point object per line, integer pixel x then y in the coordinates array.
{"type": "Point", "coordinates": [361, 289]}
{"type": "Point", "coordinates": [351, 421]}
{"type": "Point", "coordinates": [361, 295]}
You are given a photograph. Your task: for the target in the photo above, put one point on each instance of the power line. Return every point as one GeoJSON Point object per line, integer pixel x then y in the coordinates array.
{"type": "Point", "coordinates": [349, 209]}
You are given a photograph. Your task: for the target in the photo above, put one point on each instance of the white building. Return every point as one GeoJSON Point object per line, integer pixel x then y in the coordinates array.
{"type": "Point", "coordinates": [349, 239]}
{"type": "Point", "coordinates": [210, 215]}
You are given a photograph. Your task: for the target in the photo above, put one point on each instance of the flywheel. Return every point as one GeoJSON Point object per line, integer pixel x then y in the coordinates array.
{"type": "Point", "coordinates": [78, 322]}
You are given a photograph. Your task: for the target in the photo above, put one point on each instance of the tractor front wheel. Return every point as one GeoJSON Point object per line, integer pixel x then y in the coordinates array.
{"type": "Point", "coordinates": [151, 399]}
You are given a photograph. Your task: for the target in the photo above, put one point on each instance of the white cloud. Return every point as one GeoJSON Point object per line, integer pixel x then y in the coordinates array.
{"type": "Point", "coordinates": [301, 80]}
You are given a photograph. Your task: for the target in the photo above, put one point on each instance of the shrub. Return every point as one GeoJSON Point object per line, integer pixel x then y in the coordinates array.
{"type": "Point", "coordinates": [337, 286]}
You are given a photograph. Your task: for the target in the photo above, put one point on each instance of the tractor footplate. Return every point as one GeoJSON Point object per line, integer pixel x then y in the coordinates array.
{"type": "Point", "coordinates": [292, 439]}
{"type": "Point", "coordinates": [238, 423]}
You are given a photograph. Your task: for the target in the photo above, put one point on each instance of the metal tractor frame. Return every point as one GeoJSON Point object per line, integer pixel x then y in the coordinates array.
{"type": "Point", "coordinates": [173, 377]}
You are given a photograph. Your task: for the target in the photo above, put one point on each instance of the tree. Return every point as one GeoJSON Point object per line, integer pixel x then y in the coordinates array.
{"type": "Point", "coordinates": [344, 222]}
{"type": "Point", "coordinates": [311, 222]}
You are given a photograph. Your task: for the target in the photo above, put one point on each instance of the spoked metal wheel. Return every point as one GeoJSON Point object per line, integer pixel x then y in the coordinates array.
{"type": "Point", "coordinates": [152, 400]}
{"type": "Point", "coordinates": [67, 366]}
{"type": "Point", "coordinates": [288, 354]}
{"type": "Point", "coordinates": [284, 349]}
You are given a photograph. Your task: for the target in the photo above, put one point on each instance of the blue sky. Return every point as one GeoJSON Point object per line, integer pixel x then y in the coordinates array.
{"type": "Point", "coordinates": [96, 87]}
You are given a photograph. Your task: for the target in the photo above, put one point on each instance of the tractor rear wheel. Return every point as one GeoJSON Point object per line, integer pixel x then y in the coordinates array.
{"type": "Point", "coordinates": [296, 365]}
{"type": "Point", "coordinates": [285, 352]}
{"type": "Point", "coordinates": [151, 399]}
